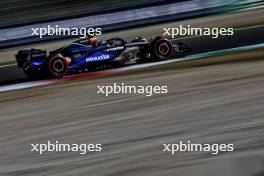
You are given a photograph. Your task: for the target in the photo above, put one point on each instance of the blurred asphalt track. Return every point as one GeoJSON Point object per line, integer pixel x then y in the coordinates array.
{"type": "Point", "coordinates": [210, 104]}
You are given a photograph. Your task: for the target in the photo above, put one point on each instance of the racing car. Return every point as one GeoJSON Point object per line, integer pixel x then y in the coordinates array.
{"type": "Point", "coordinates": [87, 54]}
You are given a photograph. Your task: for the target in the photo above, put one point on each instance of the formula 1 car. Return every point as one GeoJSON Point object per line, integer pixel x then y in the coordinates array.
{"type": "Point", "coordinates": [86, 54]}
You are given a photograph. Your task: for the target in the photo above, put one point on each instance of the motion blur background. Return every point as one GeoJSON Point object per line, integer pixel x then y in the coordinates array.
{"type": "Point", "coordinates": [218, 98]}
{"type": "Point", "coordinates": [23, 11]}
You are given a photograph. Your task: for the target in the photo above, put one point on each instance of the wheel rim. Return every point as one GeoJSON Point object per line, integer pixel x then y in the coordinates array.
{"type": "Point", "coordinates": [58, 66]}
{"type": "Point", "coordinates": [164, 49]}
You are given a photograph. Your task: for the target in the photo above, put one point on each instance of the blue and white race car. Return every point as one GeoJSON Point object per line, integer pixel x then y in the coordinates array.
{"type": "Point", "coordinates": [88, 54]}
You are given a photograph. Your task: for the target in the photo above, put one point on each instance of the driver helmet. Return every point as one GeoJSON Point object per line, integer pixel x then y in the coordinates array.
{"type": "Point", "coordinates": [92, 40]}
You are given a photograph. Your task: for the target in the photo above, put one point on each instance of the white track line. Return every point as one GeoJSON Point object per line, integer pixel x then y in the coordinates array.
{"type": "Point", "coordinates": [9, 65]}
{"type": "Point", "coordinates": [25, 85]}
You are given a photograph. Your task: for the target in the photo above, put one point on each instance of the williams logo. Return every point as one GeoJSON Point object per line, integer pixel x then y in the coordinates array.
{"type": "Point", "coordinates": [97, 58]}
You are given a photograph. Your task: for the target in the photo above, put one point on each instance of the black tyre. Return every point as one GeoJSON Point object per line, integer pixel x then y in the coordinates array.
{"type": "Point", "coordinates": [57, 67]}
{"type": "Point", "coordinates": [161, 49]}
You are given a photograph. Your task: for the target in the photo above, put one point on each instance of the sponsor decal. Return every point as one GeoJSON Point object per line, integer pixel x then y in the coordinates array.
{"type": "Point", "coordinates": [97, 58]}
{"type": "Point", "coordinates": [115, 49]}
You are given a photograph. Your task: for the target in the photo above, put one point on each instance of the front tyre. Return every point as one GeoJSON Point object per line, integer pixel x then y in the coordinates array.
{"type": "Point", "coordinates": [161, 49]}
{"type": "Point", "coordinates": [57, 66]}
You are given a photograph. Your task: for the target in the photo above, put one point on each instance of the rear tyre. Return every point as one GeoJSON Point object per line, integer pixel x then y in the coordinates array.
{"type": "Point", "coordinates": [58, 67]}
{"type": "Point", "coordinates": [161, 49]}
